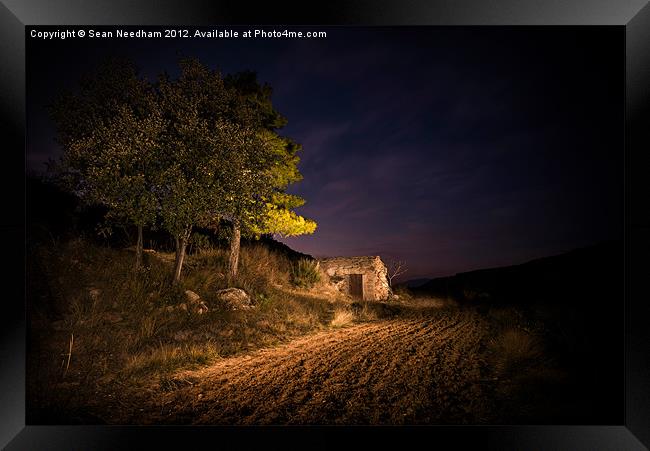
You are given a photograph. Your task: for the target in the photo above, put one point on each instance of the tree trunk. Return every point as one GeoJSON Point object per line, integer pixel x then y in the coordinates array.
{"type": "Point", "coordinates": [235, 240]}
{"type": "Point", "coordinates": [138, 249]}
{"type": "Point", "coordinates": [181, 244]}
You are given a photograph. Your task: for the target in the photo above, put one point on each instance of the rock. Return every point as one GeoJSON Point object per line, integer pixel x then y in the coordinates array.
{"type": "Point", "coordinates": [194, 303]}
{"type": "Point", "coordinates": [94, 293]}
{"type": "Point", "coordinates": [235, 299]}
{"type": "Point", "coordinates": [192, 297]}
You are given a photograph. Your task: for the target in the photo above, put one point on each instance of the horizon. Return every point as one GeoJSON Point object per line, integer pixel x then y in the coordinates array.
{"type": "Point", "coordinates": [452, 149]}
{"type": "Point", "coordinates": [407, 278]}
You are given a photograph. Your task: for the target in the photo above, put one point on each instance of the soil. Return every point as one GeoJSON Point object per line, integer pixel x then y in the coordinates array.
{"type": "Point", "coordinates": [397, 371]}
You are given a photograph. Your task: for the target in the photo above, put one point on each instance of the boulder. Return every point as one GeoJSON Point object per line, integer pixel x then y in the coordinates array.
{"type": "Point", "coordinates": [192, 297]}
{"type": "Point", "coordinates": [94, 293]}
{"type": "Point", "coordinates": [194, 303]}
{"type": "Point", "coordinates": [201, 308]}
{"type": "Point", "coordinates": [234, 299]}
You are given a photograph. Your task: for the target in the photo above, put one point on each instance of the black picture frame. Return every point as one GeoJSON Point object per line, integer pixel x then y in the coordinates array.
{"type": "Point", "coordinates": [634, 16]}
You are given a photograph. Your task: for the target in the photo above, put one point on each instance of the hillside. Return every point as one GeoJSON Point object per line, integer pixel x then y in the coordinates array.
{"type": "Point", "coordinates": [107, 344]}
{"type": "Point", "coordinates": [586, 276]}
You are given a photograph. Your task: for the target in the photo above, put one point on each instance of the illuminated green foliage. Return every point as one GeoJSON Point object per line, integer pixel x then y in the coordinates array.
{"type": "Point", "coordinates": [305, 273]}
{"type": "Point", "coordinates": [271, 211]}
{"type": "Point", "coordinates": [180, 153]}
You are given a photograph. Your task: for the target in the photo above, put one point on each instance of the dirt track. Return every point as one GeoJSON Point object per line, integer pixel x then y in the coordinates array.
{"type": "Point", "coordinates": [408, 370]}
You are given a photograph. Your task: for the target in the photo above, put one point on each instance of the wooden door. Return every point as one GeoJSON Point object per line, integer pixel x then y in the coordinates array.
{"type": "Point", "coordinates": [356, 286]}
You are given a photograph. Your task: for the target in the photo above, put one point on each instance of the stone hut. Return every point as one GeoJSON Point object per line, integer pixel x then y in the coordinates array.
{"type": "Point", "coordinates": [362, 278]}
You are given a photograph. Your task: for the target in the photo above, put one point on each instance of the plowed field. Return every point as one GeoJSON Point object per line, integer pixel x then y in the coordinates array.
{"type": "Point", "coordinates": [407, 370]}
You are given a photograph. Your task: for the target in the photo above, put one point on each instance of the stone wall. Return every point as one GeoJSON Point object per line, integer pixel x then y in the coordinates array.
{"type": "Point", "coordinates": [336, 272]}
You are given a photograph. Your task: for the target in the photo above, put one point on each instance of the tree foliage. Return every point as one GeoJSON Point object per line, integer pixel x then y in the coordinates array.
{"type": "Point", "coordinates": [180, 153]}
{"type": "Point", "coordinates": [274, 212]}
{"type": "Point", "coordinates": [110, 131]}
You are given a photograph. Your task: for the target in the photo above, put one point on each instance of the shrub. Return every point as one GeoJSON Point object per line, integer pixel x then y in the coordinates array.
{"type": "Point", "coordinates": [304, 273]}
{"type": "Point", "coordinates": [403, 293]}
{"type": "Point", "coordinates": [514, 350]}
{"type": "Point", "coordinates": [469, 294]}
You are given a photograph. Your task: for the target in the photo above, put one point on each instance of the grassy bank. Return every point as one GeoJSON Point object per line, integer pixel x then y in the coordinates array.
{"type": "Point", "coordinates": [95, 322]}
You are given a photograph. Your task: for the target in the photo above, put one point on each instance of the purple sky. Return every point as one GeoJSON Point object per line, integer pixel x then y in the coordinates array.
{"type": "Point", "coordinates": [450, 148]}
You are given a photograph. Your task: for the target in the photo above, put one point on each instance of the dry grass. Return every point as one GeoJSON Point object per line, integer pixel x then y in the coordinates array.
{"type": "Point", "coordinates": [123, 332]}
{"type": "Point", "coordinates": [342, 317]}
{"type": "Point", "coordinates": [367, 312]}
{"type": "Point", "coordinates": [167, 358]}
{"type": "Point", "coordinates": [260, 268]}
{"type": "Point", "coordinates": [524, 373]}
{"type": "Point", "coordinates": [515, 350]}
{"type": "Point", "coordinates": [516, 346]}
{"type": "Point", "coordinates": [426, 302]}
{"type": "Point", "coordinates": [148, 328]}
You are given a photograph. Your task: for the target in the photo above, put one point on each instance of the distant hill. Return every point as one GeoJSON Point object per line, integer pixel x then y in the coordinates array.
{"type": "Point", "coordinates": [589, 275]}
{"type": "Point", "coordinates": [413, 283]}
{"type": "Point", "coordinates": [280, 247]}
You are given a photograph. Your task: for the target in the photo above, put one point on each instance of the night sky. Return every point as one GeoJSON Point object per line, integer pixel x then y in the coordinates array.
{"type": "Point", "coordinates": [449, 148]}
